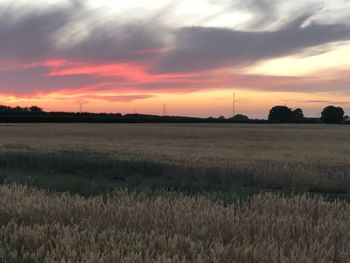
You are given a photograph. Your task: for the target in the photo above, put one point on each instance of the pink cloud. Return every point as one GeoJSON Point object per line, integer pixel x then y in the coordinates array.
{"type": "Point", "coordinates": [73, 78]}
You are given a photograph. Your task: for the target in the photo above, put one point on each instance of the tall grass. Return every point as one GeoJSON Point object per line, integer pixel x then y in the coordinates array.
{"type": "Point", "coordinates": [187, 193]}
{"type": "Point", "coordinates": [91, 158]}
{"type": "Point", "coordinates": [37, 226]}
{"type": "Point", "coordinates": [92, 173]}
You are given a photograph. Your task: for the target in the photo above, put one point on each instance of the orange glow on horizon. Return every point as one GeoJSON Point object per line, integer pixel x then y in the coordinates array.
{"type": "Point", "coordinates": [202, 104]}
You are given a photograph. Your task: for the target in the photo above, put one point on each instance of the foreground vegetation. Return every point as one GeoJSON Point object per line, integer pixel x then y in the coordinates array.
{"type": "Point", "coordinates": [174, 193]}
{"type": "Point", "coordinates": [37, 226]}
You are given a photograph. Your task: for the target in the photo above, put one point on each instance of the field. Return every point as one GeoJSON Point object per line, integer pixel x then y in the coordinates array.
{"type": "Point", "coordinates": [174, 193]}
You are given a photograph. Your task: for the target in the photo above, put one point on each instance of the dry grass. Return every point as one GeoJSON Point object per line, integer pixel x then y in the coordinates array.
{"type": "Point", "coordinates": [155, 225]}
{"type": "Point", "coordinates": [187, 142]}
{"type": "Point", "coordinates": [314, 158]}
{"type": "Point", "coordinates": [41, 227]}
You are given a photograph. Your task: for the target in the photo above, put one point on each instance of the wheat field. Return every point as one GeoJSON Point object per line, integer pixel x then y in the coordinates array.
{"type": "Point", "coordinates": [303, 158]}
{"type": "Point", "coordinates": [174, 193]}
{"type": "Point", "coordinates": [126, 227]}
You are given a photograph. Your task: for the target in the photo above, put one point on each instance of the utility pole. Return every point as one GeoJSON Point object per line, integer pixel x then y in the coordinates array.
{"type": "Point", "coordinates": [234, 104]}
{"type": "Point", "coordinates": [164, 110]}
{"type": "Point", "coordinates": [81, 103]}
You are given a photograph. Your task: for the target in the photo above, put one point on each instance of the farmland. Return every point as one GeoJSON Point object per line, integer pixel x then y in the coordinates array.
{"type": "Point", "coordinates": [174, 193]}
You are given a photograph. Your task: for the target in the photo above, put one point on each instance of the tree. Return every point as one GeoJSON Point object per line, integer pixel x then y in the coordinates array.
{"type": "Point", "coordinates": [333, 115]}
{"type": "Point", "coordinates": [35, 109]}
{"type": "Point", "coordinates": [281, 114]}
{"type": "Point", "coordinates": [240, 117]}
{"type": "Point", "coordinates": [298, 114]}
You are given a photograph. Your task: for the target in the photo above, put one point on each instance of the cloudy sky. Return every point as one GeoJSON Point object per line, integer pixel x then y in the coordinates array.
{"type": "Point", "coordinates": [136, 55]}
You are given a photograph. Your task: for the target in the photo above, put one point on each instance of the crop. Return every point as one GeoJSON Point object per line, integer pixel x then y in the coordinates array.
{"type": "Point", "coordinates": [37, 226]}
{"type": "Point", "coordinates": [95, 158]}
{"type": "Point", "coordinates": [174, 193]}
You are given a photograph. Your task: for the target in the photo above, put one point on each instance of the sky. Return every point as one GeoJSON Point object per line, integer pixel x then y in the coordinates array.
{"type": "Point", "coordinates": [191, 55]}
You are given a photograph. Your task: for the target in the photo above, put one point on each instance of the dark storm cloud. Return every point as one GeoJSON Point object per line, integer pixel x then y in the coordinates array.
{"type": "Point", "coordinates": [28, 35]}
{"type": "Point", "coordinates": [35, 34]}
{"type": "Point", "coordinates": [200, 48]}
{"type": "Point", "coordinates": [126, 42]}
{"type": "Point", "coordinates": [40, 34]}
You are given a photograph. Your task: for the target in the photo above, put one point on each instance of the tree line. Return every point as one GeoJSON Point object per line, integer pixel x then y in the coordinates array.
{"type": "Point", "coordinates": [330, 114]}
{"type": "Point", "coordinates": [278, 114]}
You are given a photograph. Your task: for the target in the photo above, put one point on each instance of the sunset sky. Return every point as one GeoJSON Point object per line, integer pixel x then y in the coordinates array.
{"type": "Point", "coordinates": [134, 56]}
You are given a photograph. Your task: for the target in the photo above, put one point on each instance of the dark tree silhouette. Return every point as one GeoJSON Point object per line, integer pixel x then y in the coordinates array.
{"type": "Point", "coordinates": [239, 117]}
{"type": "Point", "coordinates": [298, 114]}
{"type": "Point", "coordinates": [35, 109]}
{"type": "Point", "coordinates": [333, 115]}
{"type": "Point", "coordinates": [8, 109]}
{"type": "Point", "coordinates": [281, 114]}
